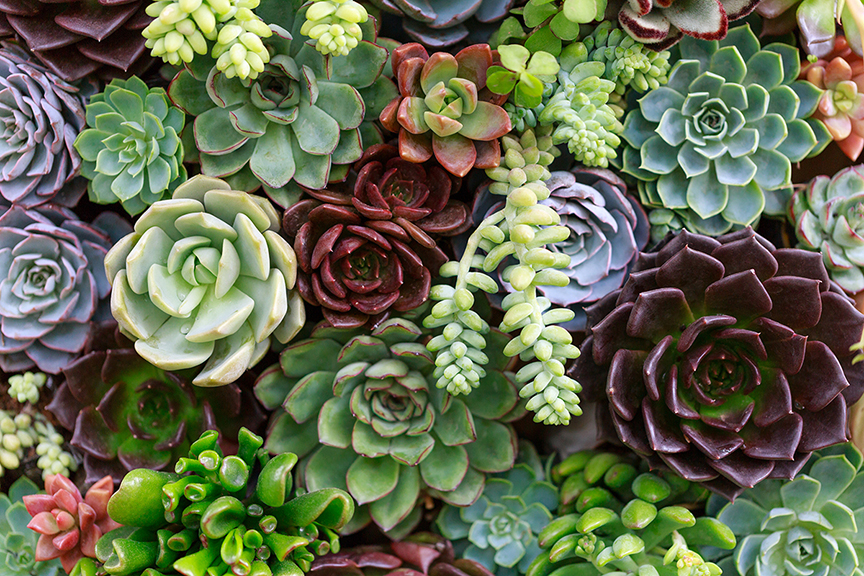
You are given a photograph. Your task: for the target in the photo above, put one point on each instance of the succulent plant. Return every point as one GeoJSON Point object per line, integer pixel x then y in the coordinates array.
{"type": "Point", "coordinates": [17, 541]}
{"type": "Point", "coordinates": [221, 514]}
{"type": "Point", "coordinates": [131, 151]}
{"type": "Point", "coordinates": [500, 529]}
{"type": "Point", "coordinates": [726, 360]}
{"type": "Point", "coordinates": [808, 524]}
{"type": "Point", "coordinates": [205, 279]}
{"type": "Point", "coordinates": [25, 387]}
{"type": "Point", "coordinates": [53, 284]}
{"type": "Point", "coordinates": [75, 39]}
{"type": "Point", "coordinates": [524, 228]}
{"type": "Point", "coordinates": [841, 106]}
{"type": "Point", "coordinates": [334, 25]}
{"type": "Point", "coordinates": [126, 413]}
{"type": "Point", "coordinates": [421, 553]}
{"type": "Point", "coordinates": [52, 459]}
{"type": "Point", "coordinates": [23, 434]}
{"type": "Point", "coordinates": [360, 261]}
{"type": "Point", "coordinates": [16, 433]}
{"type": "Point", "coordinates": [607, 228]}
{"type": "Point", "coordinates": [524, 77]}
{"type": "Point", "coordinates": [715, 145]}
{"type": "Point", "coordinates": [384, 431]}
{"type": "Point", "coordinates": [614, 519]}
{"type": "Point", "coordinates": [68, 524]}
{"type": "Point", "coordinates": [39, 163]}
{"type": "Point", "coordinates": [260, 131]}
{"type": "Point", "coordinates": [440, 24]}
{"type": "Point", "coordinates": [816, 21]}
{"type": "Point", "coordinates": [662, 24]}
{"type": "Point", "coordinates": [828, 215]}
{"type": "Point", "coordinates": [442, 109]}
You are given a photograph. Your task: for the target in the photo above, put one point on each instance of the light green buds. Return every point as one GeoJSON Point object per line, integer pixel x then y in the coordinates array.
{"type": "Point", "coordinates": [334, 25]}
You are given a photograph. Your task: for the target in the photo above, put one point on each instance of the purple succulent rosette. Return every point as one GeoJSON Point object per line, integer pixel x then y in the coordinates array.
{"type": "Point", "coordinates": [608, 228]}
{"type": "Point", "coordinates": [52, 284]}
{"type": "Point", "coordinates": [41, 115]}
{"type": "Point", "coordinates": [726, 360]}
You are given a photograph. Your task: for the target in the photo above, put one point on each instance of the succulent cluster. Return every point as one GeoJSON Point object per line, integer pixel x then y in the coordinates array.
{"type": "Point", "coordinates": [17, 540]}
{"type": "Point", "coordinates": [221, 514]}
{"type": "Point", "coordinates": [23, 435]}
{"type": "Point", "coordinates": [334, 25]}
{"type": "Point", "coordinates": [25, 387]}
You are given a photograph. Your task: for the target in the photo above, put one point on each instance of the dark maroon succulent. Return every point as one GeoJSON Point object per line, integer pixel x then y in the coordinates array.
{"type": "Point", "coordinates": [76, 38]}
{"type": "Point", "coordinates": [125, 413]}
{"type": "Point", "coordinates": [421, 554]}
{"type": "Point", "coordinates": [358, 267]}
{"type": "Point", "coordinates": [726, 360]}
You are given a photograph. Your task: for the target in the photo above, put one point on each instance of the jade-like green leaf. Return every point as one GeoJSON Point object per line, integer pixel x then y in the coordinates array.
{"type": "Point", "coordinates": [445, 467]}
{"type": "Point", "coordinates": [370, 479]}
{"type": "Point", "coordinates": [395, 507]}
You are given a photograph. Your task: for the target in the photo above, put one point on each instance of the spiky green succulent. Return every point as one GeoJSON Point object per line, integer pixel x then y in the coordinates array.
{"type": "Point", "coordinates": [25, 387]}
{"type": "Point", "coordinates": [17, 540]}
{"type": "Point", "coordinates": [221, 514]}
{"type": "Point", "coordinates": [363, 412]}
{"type": "Point", "coordinates": [809, 525]}
{"type": "Point", "coordinates": [500, 529]}
{"type": "Point", "coordinates": [298, 121]}
{"type": "Point", "coordinates": [617, 518]}
{"type": "Point", "coordinates": [131, 151]}
{"type": "Point", "coordinates": [205, 279]}
{"type": "Point", "coordinates": [716, 144]}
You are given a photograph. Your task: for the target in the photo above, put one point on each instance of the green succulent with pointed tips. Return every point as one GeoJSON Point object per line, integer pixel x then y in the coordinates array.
{"type": "Point", "coordinates": [363, 412]}
{"type": "Point", "coordinates": [716, 144]}
{"type": "Point", "coordinates": [809, 525]}
{"type": "Point", "coordinates": [205, 278]}
{"type": "Point", "coordinates": [131, 151]}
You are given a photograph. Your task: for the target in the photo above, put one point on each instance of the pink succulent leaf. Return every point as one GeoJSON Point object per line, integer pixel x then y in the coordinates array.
{"type": "Point", "coordinates": [57, 483]}
{"type": "Point", "coordinates": [38, 503]}
{"type": "Point", "coordinates": [415, 148]}
{"type": "Point", "coordinates": [99, 494]}
{"type": "Point", "coordinates": [86, 516]}
{"type": "Point", "coordinates": [474, 62]}
{"type": "Point", "coordinates": [837, 70]}
{"type": "Point", "coordinates": [857, 110]}
{"type": "Point", "coordinates": [66, 541]}
{"type": "Point", "coordinates": [70, 559]}
{"type": "Point", "coordinates": [816, 76]}
{"type": "Point", "coordinates": [64, 520]}
{"type": "Point", "coordinates": [854, 144]}
{"type": "Point", "coordinates": [410, 115]}
{"type": "Point", "coordinates": [67, 501]}
{"type": "Point", "coordinates": [88, 541]}
{"type": "Point", "coordinates": [839, 125]}
{"type": "Point", "coordinates": [44, 523]}
{"type": "Point", "coordinates": [455, 153]}
{"type": "Point", "coordinates": [45, 549]}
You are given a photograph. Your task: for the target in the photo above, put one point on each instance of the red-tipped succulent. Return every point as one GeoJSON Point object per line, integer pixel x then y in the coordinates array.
{"type": "Point", "coordinates": [727, 360]}
{"type": "Point", "coordinates": [68, 524]}
{"type": "Point", "coordinates": [444, 109]}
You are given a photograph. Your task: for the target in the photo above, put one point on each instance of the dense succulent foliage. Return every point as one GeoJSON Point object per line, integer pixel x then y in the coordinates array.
{"type": "Point", "coordinates": [439, 24]}
{"type": "Point", "coordinates": [828, 215]}
{"type": "Point", "coordinates": [131, 151]}
{"type": "Point", "coordinates": [726, 360]}
{"type": "Point", "coordinates": [716, 144]}
{"type": "Point", "coordinates": [125, 413]}
{"type": "Point", "coordinates": [221, 514]}
{"type": "Point", "coordinates": [205, 279]}
{"type": "Point", "coordinates": [25, 387]}
{"type": "Point", "coordinates": [25, 438]}
{"type": "Point", "coordinates": [17, 541]}
{"type": "Point", "coordinates": [806, 525]}
{"type": "Point", "coordinates": [387, 434]}
{"type": "Point", "coordinates": [53, 284]}
{"type": "Point", "coordinates": [615, 517]}
{"type": "Point", "coordinates": [815, 21]}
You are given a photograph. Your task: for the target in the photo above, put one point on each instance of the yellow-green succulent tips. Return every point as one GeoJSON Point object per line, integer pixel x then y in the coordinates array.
{"type": "Point", "coordinates": [334, 25]}
{"type": "Point", "coordinates": [205, 279]}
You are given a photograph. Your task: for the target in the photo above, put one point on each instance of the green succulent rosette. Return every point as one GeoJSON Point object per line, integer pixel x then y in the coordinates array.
{"type": "Point", "coordinates": [17, 540]}
{"type": "Point", "coordinates": [300, 121]}
{"type": "Point", "coordinates": [205, 278]}
{"type": "Point", "coordinates": [363, 412]}
{"type": "Point", "coordinates": [500, 529]}
{"type": "Point", "coordinates": [716, 144]}
{"type": "Point", "coordinates": [131, 151]}
{"type": "Point", "coordinates": [808, 525]}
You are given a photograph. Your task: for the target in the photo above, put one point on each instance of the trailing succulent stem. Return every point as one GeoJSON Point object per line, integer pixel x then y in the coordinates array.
{"type": "Point", "coordinates": [520, 230]}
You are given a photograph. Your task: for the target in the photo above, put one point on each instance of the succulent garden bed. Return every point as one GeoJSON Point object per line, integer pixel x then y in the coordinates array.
{"type": "Point", "coordinates": [431, 288]}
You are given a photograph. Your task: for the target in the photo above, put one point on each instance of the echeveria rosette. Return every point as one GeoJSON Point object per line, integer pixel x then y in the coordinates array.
{"type": "Point", "coordinates": [358, 268]}
{"type": "Point", "coordinates": [726, 360]}
{"type": "Point", "coordinates": [68, 524]}
{"type": "Point", "coordinates": [221, 514]}
{"type": "Point", "coordinates": [500, 529]}
{"type": "Point", "coordinates": [125, 413]}
{"type": "Point", "coordinates": [40, 115]}
{"type": "Point", "coordinates": [389, 435]}
{"type": "Point", "coordinates": [298, 122]}
{"type": "Point", "coordinates": [17, 540]}
{"type": "Point", "coordinates": [607, 227]}
{"type": "Point", "coordinates": [131, 151]}
{"type": "Point", "coordinates": [442, 109]}
{"type": "Point", "coordinates": [205, 278]}
{"type": "Point", "coordinates": [809, 525]}
{"type": "Point", "coordinates": [617, 518]}
{"type": "Point", "coordinates": [828, 215]}
{"type": "Point", "coordinates": [716, 144]}
{"type": "Point", "coordinates": [52, 284]}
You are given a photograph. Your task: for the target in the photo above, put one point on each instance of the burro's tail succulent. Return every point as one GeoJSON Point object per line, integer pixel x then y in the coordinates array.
{"type": "Point", "coordinates": [205, 279]}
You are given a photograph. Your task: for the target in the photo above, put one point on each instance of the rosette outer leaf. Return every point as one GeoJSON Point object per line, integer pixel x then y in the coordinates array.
{"type": "Point", "coordinates": [205, 279]}
{"type": "Point", "coordinates": [726, 360]}
{"type": "Point", "coordinates": [388, 433]}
